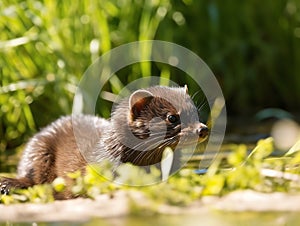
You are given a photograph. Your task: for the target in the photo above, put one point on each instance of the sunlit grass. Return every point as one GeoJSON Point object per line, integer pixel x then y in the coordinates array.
{"type": "Point", "coordinates": [46, 46]}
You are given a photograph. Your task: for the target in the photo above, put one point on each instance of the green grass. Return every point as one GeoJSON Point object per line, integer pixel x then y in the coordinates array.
{"type": "Point", "coordinates": [46, 46]}
{"type": "Point", "coordinates": [253, 47]}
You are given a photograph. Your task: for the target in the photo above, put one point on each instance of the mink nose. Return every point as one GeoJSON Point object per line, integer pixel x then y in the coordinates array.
{"type": "Point", "coordinates": [202, 131]}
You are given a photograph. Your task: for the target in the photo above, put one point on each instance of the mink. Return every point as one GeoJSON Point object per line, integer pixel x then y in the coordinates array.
{"type": "Point", "coordinates": [140, 128]}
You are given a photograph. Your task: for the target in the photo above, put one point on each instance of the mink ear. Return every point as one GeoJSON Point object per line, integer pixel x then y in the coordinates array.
{"type": "Point", "coordinates": [138, 100]}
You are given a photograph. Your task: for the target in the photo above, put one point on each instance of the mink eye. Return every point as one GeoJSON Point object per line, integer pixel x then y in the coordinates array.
{"type": "Point", "coordinates": [173, 118]}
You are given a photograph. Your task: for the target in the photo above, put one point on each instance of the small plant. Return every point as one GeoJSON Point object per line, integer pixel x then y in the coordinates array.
{"type": "Point", "coordinates": [36, 194]}
{"type": "Point", "coordinates": [258, 171]}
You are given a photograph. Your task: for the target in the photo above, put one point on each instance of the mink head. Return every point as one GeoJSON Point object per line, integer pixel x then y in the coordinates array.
{"type": "Point", "coordinates": [158, 117]}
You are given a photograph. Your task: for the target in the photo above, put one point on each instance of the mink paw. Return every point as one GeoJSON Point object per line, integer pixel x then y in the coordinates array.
{"type": "Point", "coordinates": [4, 188]}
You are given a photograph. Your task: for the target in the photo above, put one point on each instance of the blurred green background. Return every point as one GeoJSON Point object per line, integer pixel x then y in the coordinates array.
{"type": "Point", "coordinates": [253, 48]}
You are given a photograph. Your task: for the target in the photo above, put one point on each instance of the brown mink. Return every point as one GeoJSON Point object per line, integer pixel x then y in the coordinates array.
{"type": "Point", "coordinates": [140, 128]}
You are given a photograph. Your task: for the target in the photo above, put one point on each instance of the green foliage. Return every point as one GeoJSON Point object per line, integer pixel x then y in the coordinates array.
{"type": "Point", "coordinates": [47, 45]}
{"type": "Point", "coordinates": [252, 46]}
{"type": "Point", "coordinates": [97, 180]}
{"type": "Point", "coordinates": [257, 171]}
{"type": "Point", "coordinates": [130, 175]}
{"type": "Point", "coordinates": [245, 172]}
{"type": "Point", "coordinates": [180, 189]}
{"type": "Point", "coordinates": [294, 150]}
{"type": "Point", "coordinates": [59, 184]}
{"type": "Point", "coordinates": [36, 194]}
